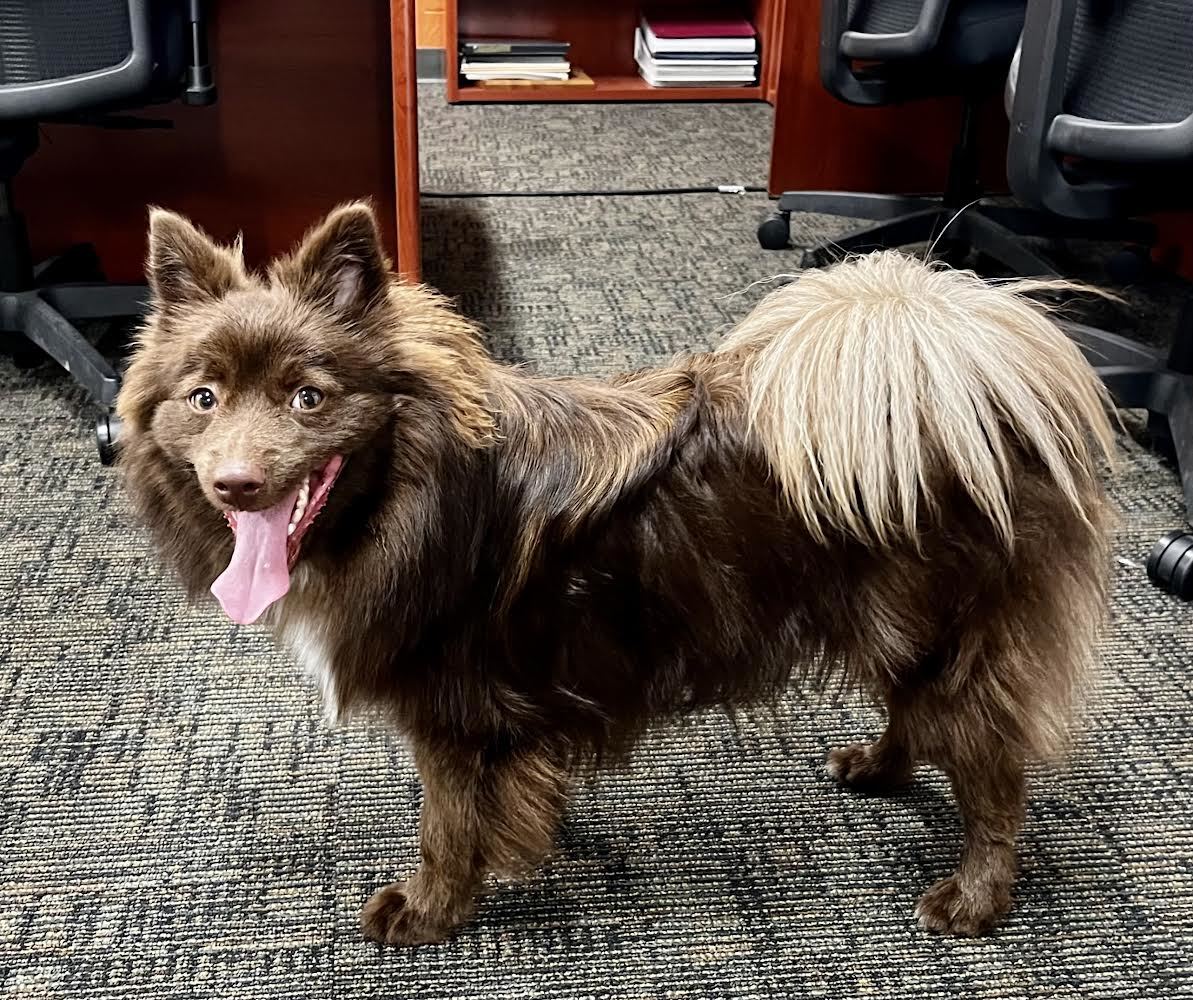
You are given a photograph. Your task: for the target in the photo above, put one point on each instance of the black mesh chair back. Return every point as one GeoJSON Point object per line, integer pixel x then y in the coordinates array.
{"type": "Point", "coordinates": [64, 56]}
{"type": "Point", "coordinates": [874, 17]}
{"type": "Point", "coordinates": [1131, 62]}
{"type": "Point", "coordinates": [1101, 101]}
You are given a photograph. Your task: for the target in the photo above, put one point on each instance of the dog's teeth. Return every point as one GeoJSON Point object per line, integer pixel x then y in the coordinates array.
{"type": "Point", "coordinates": [300, 505]}
{"type": "Point", "coordinates": [290, 528]}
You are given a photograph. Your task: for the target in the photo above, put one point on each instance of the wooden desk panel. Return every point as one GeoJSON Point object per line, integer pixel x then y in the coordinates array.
{"type": "Point", "coordinates": [405, 138]}
{"type": "Point", "coordinates": [305, 120]}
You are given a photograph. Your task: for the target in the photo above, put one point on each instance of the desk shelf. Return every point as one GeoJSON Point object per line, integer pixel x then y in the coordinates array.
{"type": "Point", "coordinates": [602, 45]}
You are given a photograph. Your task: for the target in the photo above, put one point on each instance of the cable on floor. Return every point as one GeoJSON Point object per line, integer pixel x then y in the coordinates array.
{"type": "Point", "coordinates": [711, 189]}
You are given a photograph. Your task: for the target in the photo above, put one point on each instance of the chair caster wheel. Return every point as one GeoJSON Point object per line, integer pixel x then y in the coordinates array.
{"type": "Point", "coordinates": [1170, 565]}
{"type": "Point", "coordinates": [1130, 265]}
{"type": "Point", "coordinates": [25, 355]}
{"type": "Point", "coordinates": [774, 232]}
{"type": "Point", "coordinates": [107, 432]}
{"type": "Point", "coordinates": [811, 259]}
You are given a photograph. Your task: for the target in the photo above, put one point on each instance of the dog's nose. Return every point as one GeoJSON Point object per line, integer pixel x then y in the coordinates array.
{"type": "Point", "coordinates": [238, 483]}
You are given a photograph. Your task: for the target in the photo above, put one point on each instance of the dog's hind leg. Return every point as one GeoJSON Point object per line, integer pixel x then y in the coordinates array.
{"type": "Point", "coordinates": [988, 782]}
{"type": "Point", "coordinates": [491, 810]}
{"type": "Point", "coordinates": [882, 766]}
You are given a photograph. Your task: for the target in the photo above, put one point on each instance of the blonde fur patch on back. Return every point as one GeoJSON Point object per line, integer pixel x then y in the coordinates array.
{"type": "Point", "coordinates": [867, 378]}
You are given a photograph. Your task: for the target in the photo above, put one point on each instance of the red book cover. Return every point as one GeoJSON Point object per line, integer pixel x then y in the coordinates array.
{"type": "Point", "coordinates": [672, 26]}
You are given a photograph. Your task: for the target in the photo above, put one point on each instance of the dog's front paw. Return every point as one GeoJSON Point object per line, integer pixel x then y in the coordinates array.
{"type": "Point", "coordinates": [392, 916]}
{"type": "Point", "coordinates": [865, 767]}
{"type": "Point", "coordinates": [953, 907]}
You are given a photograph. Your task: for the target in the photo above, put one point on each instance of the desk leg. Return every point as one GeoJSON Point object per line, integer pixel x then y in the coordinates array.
{"type": "Point", "coordinates": [405, 105]}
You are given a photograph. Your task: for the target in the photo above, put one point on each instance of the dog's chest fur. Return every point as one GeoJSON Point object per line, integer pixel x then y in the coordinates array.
{"type": "Point", "coordinates": [304, 632]}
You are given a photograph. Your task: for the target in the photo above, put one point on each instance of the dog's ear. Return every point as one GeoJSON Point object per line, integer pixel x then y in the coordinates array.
{"type": "Point", "coordinates": [341, 263]}
{"type": "Point", "coordinates": [186, 265]}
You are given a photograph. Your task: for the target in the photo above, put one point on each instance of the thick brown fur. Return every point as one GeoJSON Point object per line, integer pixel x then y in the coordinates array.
{"type": "Point", "coordinates": [525, 572]}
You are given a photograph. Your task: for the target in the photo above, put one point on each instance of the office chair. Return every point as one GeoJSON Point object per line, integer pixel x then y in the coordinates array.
{"type": "Point", "coordinates": [1101, 104]}
{"type": "Point", "coordinates": [881, 52]}
{"type": "Point", "coordinates": [80, 62]}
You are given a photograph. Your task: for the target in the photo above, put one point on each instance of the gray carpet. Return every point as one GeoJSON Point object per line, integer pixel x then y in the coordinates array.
{"type": "Point", "coordinates": [178, 821]}
{"type": "Point", "coordinates": [543, 147]}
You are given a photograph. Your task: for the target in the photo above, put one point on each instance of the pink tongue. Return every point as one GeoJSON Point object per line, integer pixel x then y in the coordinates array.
{"type": "Point", "coordinates": [258, 574]}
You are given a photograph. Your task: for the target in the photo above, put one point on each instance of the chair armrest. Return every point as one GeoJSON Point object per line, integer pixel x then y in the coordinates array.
{"type": "Point", "coordinates": [836, 65]}
{"type": "Point", "coordinates": [918, 41]}
{"type": "Point", "coordinates": [1119, 142]}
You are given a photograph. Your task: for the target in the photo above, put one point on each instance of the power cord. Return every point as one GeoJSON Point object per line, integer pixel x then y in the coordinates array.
{"type": "Point", "coordinates": [636, 192]}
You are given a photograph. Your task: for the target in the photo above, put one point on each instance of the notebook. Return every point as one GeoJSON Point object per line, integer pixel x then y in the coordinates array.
{"type": "Point", "coordinates": [691, 72]}
{"type": "Point", "coordinates": [668, 33]}
{"type": "Point", "coordinates": [514, 67]}
{"type": "Point", "coordinates": [703, 61]}
{"type": "Point", "coordinates": [512, 47]}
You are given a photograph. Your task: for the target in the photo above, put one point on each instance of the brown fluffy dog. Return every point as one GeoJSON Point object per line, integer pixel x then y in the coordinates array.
{"type": "Point", "coordinates": [888, 474]}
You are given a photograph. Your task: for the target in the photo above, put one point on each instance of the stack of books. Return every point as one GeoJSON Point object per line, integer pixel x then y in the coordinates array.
{"type": "Point", "coordinates": [510, 59]}
{"type": "Point", "coordinates": [676, 51]}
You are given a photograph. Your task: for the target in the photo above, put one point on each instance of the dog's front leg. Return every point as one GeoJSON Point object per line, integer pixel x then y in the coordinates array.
{"type": "Point", "coordinates": [483, 811]}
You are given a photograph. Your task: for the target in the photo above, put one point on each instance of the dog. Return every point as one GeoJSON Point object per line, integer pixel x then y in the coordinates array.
{"type": "Point", "coordinates": [887, 477]}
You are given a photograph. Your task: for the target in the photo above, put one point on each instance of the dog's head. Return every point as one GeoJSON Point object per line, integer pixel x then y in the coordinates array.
{"type": "Point", "coordinates": [250, 397]}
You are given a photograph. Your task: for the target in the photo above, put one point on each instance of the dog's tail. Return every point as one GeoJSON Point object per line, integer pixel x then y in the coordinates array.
{"type": "Point", "coordinates": [868, 380]}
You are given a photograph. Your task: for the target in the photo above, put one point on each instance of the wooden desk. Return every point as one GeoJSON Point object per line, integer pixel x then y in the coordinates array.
{"type": "Point", "coordinates": [312, 111]}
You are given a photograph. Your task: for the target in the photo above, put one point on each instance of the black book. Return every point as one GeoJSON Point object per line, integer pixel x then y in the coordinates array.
{"type": "Point", "coordinates": [704, 56]}
{"type": "Point", "coordinates": [505, 57]}
{"type": "Point", "coordinates": [512, 47]}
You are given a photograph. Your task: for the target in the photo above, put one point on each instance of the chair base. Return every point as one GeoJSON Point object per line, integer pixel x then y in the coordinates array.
{"type": "Point", "coordinates": [993, 229]}
{"type": "Point", "coordinates": [38, 319]}
{"type": "Point", "coordinates": [44, 316]}
{"type": "Point", "coordinates": [107, 433]}
{"type": "Point", "coordinates": [39, 304]}
{"type": "Point", "coordinates": [1141, 378]}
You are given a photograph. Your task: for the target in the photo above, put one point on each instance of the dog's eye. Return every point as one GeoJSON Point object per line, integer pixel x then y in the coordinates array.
{"type": "Point", "coordinates": [307, 398]}
{"type": "Point", "coordinates": [202, 399]}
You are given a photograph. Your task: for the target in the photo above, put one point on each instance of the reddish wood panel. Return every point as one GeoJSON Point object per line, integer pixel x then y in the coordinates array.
{"type": "Point", "coordinates": [405, 137]}
{"type": "Point", "coordinates": [822, 143]}
{"type": "Point", "coordinates": [1174, 246]}
{"type": "Point", "coordinates": [303, 121]}
{"type": "Point", "coordinates": [768, 20]}
{"type": "Point", "coordinates": [602, 44]}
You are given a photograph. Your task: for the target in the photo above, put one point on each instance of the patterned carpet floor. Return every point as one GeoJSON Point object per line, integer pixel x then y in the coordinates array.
{"type": "Point", "coordinates": [178, 820]}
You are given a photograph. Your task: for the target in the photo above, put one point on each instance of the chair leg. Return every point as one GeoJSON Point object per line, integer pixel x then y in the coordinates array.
{"type": "Point", "coordinates": [1180, 430]}
{"type": "Point", "coordinates": [79, 302]}
{"type": "Point", "coordinates": [1103, 348]}
{"type": "Point", "coordinates": [1000, 243]}
{"type": "Point", "coordinates": [1170, 563]}
{"type": "Point", "coordinates": [1180, 354]}
{"type": "Point", "coordinates": [50, 331]}
{"type": "Point", "coordinates": [854, 205]}
{"type": "Point", "coordinates": [77, 263]}
{"type": "Point", "coordinates": [1029, 222]}
{"type": "Point", "coordinates": [915, 227]}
